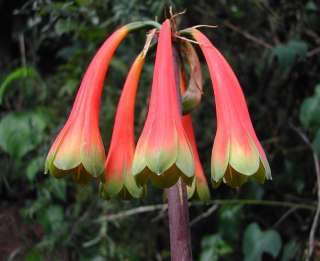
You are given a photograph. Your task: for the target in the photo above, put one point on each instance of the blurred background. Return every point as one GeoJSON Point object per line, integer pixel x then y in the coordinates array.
{"type": "Point", "coordinates": [45, 46]}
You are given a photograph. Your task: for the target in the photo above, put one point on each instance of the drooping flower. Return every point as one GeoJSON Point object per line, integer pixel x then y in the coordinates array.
{"type": "Point", "coordinates": [237, 153]}
{"type": "Point", "coordinates": [118, 178]}
{"type": "Point", "coordinates": [163, 153]}
{"type": "Point", "coordinates": [78, 150]}
{"type": "Point", "coordinates": [199, 187]}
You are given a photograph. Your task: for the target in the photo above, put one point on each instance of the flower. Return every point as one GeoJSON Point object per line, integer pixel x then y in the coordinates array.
{"type": "Point", "coordinates": [78, 149]}
{"type": "Point", "coordinates": [118, 178]}
{"type": "Point", "coordinates": [163, 153]}
{"type": "Point", "coordinates": [237, 153]}
{"type": "Point", "coordinates": [199, 187]}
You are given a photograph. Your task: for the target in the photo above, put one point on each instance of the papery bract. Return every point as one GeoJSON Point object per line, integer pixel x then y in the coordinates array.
{"type": "Point", "coordinates": [163, 153]}
{"type": "Point", "coordinates": [78, 149]}
{"type": "Point", "coordinates": [237, 153]}
{"type": "Point", "coordinates": [191, 98]}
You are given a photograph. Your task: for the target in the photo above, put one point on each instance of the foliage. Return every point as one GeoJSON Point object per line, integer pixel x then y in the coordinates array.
{"type": "Point", "coordinates": [257, 242]}
{"type": "Point", "coordinates": [278, 69]}
{"type": "Point", "coordinates": [214, 247]}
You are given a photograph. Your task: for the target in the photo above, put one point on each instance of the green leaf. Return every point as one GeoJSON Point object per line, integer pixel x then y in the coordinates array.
{"type": "Point", "coordinates": [34, 167]}
{"type": "Point", "coordinates": [59, 188]}
{"type": "Point", "coordinates": [213, 247]}
{"type": "Point", "coordinates": [316, 142]}
{"type": "Point", "coordinates": [290, 251]}
{"type": "Point", "coordinates": [22, 132]}
{"type": "Point", "coordinates": [33, 255]}
{"type": "Point", "coordinates": [53, 218]}
{"type": "Point", "coordinates": [17, 74]}
{"type": "Point", "coordinates": [63, 26]}
{"type": "Point", "coordinates": [257, 242]}
{"type": "Point", "coordinates": [229, 220]}
{"type": "Point", "coordinates": [310, 110]}
{"type": "Point", "coordinates": [287, 53]}
{"type": "Point", "coordinates": [311, 6]}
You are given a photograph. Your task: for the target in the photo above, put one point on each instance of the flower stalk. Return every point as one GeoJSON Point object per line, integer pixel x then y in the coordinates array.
{"type": "Point", "coordinates": [178, 213]}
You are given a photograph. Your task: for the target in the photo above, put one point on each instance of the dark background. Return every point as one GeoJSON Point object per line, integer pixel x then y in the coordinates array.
{"type": "Point", "coordinates": [45, 46]}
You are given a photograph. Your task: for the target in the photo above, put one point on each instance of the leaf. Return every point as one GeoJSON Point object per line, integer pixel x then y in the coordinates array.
{"type": "Point", "coordinates": [290, 251]}
{"type": "Point", "coordinates": [34, 167]}
{"type": "Point", "coordinates": [52, 218]}
{"type": "Point", "coordinates": [311, 6]}
{"type": "Point", "coordinates": [213, 247]}
{"type": "Point", "coordinates": [310, 110]}
{"type": "Point", "coordinates": [64, 26]}
{"type": "Point", "coordinates": [287, 53]}
{"type": "Point", "coordinates": [22, 132]}
{"type": "Point", "coordinates": [59, 188]}
{"type": "Point", "coordinates": [316, 142]}
{"type": "Point", "coordinates": [229, 220]}
{"type": "Point", "coordinates": [17, 74]}
{"type": "Point", "coordinates": [33, 255]}
{"type": "Point", "coordinates": [257, 242]}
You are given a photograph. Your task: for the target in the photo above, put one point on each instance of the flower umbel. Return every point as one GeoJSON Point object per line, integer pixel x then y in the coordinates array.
{"type": "Point", "coordinates": [237, 153]}
{"type": "Point", "coordinates": [163, 153]}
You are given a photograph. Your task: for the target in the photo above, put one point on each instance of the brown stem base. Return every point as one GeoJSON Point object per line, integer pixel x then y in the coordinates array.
{"type": "Point", "coordinates": [180, 243]}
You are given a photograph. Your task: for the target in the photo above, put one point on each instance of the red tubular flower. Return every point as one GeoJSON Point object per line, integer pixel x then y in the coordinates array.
{"type": "Point", "coordinates": [237, 153]}
{"type": "Point", "coordinates": [78, 149]}
{"type": "Point", "coordinates": [163, 153]}
{"type": "Point", "coordinates": [118, 178]}
{"type": "Point", "coordinates": [199, 187]}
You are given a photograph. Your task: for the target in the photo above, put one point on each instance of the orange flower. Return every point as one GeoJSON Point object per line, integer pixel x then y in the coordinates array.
{"type": "Point", "coordinates": [118, 178]}
{"type": "Point", "coordinates": [199, 187]}
{"type": "Point", "coordinates": [163, 153]}
{"type": "Point", "coordinates": [237, 153]}
{"type": "Point", "coordinates": [78, 149]}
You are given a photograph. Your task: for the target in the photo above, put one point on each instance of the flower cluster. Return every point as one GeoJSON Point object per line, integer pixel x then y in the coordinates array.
{"type": "Point", "coordinates": [166, 149]}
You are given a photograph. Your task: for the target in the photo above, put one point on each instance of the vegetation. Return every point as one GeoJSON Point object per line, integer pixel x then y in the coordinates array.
{"type": "Point", "coordinates": [274, 47]}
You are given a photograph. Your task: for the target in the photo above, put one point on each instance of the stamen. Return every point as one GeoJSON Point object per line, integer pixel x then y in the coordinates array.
{"type": "Point", "coordinates": [187, 39]}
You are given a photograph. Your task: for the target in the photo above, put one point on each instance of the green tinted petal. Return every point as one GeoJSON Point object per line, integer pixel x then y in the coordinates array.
{"type": "Point", "coordinates": [220, 157]}
{"type": "Point", "coordinates": [132, 187]}
{"type": "Point", "coordinates": [138, 163]}
{"type": "Point", "coordinates": [260, 175]}
{"type": "Point", "coordinates": [216, 184]}
{"type": "Point", "coordinates": [78, 174]}
{"type": "Point", "coordinates": [112, 187]}
{"type": "Point", "coordinates": [246, 163]}
{"type": "Point", "coordinates": [166, 179]}
{"type": "Point", "coordinates": [142, 177]}
{"type": "Point", "coordinates": [191, 189]}
{"type": "Point", "coordinates": [233, 178]}
{"type": "Point", "coordinates": [93, 159]}
{"type": "Point", "coordinates": [185, 160]}
{"type": "Point", "coordinates": [66, 162]}
{"type": "Point", "coordinates": [267, 169]}
{"type": "Point", "coordinates": [202, 190]}
{"type": "Point", "coordinates": [161, 158]}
